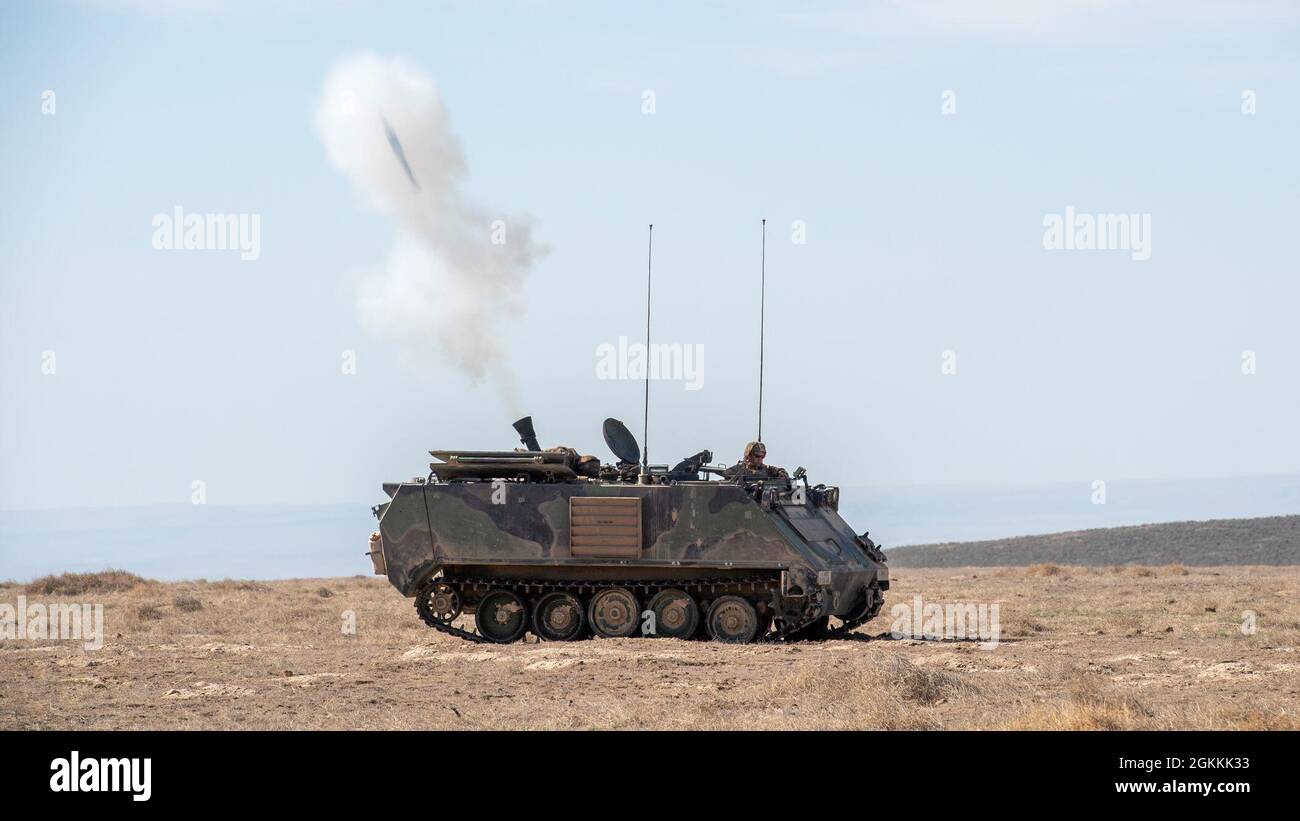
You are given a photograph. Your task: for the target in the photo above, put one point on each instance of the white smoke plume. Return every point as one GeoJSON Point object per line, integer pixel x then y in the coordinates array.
{"type": "Point", "coordinates": [447, 284]}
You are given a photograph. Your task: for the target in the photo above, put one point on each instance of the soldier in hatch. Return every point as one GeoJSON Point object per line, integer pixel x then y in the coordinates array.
{"type": "Point", "coordinates": [752, 464]}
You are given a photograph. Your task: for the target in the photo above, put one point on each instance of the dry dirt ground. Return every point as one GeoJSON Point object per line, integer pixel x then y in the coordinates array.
{"type": "Point", "coordinates": [1089, 649]}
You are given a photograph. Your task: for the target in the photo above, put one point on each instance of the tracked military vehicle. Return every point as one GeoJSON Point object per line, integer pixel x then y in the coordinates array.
{"type": "Point", "coordinates": [566, 547]}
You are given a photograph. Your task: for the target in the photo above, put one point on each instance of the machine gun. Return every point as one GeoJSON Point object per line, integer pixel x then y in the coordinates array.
{"type": "Point", "coordinates": [690, 468]}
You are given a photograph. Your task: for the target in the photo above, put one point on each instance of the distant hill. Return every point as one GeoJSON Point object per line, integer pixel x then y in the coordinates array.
{"type": "Point", "coordinates": [1273, 540]}
{"type": "Point", "coordinates": [937, 514]}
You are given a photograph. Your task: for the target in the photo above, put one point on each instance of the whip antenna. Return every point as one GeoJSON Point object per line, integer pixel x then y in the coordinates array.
{"type": "Point", "coordinates": [645, 430]}
{"type": "Point", "coordinates": [762, 305]}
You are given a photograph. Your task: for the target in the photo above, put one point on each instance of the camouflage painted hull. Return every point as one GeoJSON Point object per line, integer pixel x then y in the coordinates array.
{"type": "Point", "coordinates": [778, 549]}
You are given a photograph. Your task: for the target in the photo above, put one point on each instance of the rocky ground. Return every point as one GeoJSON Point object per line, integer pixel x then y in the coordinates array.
{"type": "Point", "coordinates": [1125, 647]}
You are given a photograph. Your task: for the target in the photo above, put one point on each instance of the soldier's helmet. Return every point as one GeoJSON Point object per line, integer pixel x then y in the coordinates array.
{"type": "Point", "coordinates": [755, 450]}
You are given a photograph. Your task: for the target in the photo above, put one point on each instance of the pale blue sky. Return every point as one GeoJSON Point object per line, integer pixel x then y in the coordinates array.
{"type": "Point", "coordinates": [924, 235]}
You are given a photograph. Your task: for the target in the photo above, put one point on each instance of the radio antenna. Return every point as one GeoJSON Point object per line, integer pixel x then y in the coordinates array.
{"type": "Point", "coordinates": [645, 430]}
{"type": "Point", "coordinates": [762, 305]}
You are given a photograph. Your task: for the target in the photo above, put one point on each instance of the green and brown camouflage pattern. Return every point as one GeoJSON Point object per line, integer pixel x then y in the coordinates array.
{"type": "Point", "coordinates": [521, 529]}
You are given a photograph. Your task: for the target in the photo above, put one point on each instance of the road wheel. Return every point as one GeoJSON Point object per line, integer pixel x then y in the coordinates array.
{"type": "Point", "coordinates": [558, 617]}
{"type": "Point", "coordinates": [677, 615]}
{"type": "Point", "coordinates": [733, 620]}
{"type": "Point", "coordinates": [614, 613]}
{"type": "Point", "coordinates": [501, 616]}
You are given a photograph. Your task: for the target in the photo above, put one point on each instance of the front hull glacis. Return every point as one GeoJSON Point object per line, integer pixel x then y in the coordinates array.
{"type": "Point", "coordinates": [735, 560]}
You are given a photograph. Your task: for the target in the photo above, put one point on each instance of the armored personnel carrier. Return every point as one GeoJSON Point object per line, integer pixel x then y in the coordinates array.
{"type": "Point", "coordinates": [567, 547]}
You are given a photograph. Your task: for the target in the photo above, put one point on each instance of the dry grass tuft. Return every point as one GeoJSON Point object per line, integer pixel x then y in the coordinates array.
{"type": "Point", "coordinates": [148, 612]}
{"type": "Point", "coordinates": [237, 584]}
{"type": "Point", "coordinates": [922, 685]}
{"type": "Point", "coordinates": [1063, 571]}
{"type": "Point", "coordinates": [1090, 705]}
{"type": "Point", "coordinates": [1252, 718]}
{"type": "Point", "coordinates": [894, 694]}
{"type": "Point", "coordinates": [187, 604]}
{"type": "Point", "coordinates": [1019, 625]}
{"type": "Point", "coordinates": [1135, 570]}
{"type": "Point", "coordinates": [79, 584]}
{"type": "Point", "coordinates": [1044, 570]}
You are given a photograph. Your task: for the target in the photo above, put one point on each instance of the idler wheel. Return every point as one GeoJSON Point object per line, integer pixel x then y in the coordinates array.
{"type": "Point", "coordinates": [559, 617]}
{"type": "Point", "coordinates": [501, 616]}
{"type": "Point", "coordinates": [733, 620]}
{"type": "Point", "coordinates": [676, 614]}
{"type": "Point", "coordinates": [614, 613]}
